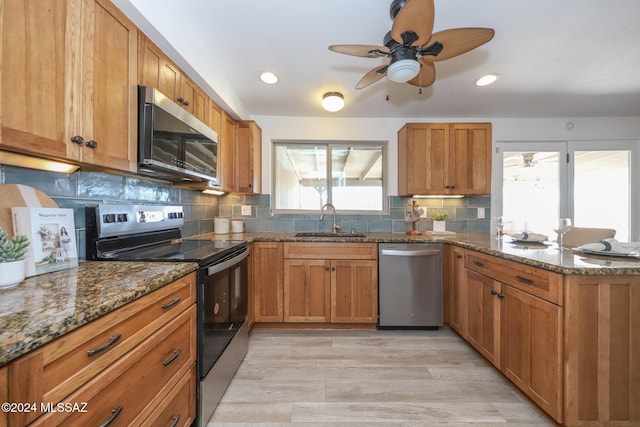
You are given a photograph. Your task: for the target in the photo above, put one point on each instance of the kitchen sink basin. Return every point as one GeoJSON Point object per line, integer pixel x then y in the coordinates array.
{"type": "Point", "coordinates": [328, 234]}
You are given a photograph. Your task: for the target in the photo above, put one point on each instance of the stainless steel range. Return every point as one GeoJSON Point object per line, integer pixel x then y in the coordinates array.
{"type": "Point", "coordinates": [153, 233]}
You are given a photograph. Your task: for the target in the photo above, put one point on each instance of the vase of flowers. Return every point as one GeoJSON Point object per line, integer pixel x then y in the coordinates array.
{"type": "Point", "coordinates": [12, 262]}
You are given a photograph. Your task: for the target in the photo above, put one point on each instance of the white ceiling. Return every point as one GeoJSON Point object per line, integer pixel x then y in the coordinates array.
{"type": "Point", "coordinates": [556, 58]}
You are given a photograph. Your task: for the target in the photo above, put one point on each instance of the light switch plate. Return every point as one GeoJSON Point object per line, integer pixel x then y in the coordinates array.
{"type": "Point", "coordinates": [246, 210]}
{"type": "Point", "coordinates": [480, 213]}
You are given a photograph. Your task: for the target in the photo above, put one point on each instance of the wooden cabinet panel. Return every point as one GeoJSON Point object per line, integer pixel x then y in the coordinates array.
{"type": "Point", "coordinates": [268, 282]}
{"type": "Point", "coordinates": [157, 364]}
{"type": "Point", "coordinates": [483, 321]}
{"type": "Point", "coordinates": [457, 284]}
{"type": "Point", "coordinates": [532, 348]}
{"type": "Point", "coordinates": [214, 120]}
{"type": "Point", "coordinates": [36, 71]}
{"type": "Point", "coordinates": [226, 141]}
{"type": "Point", "coordinates": [248, 157]}
{"type": "Point", "coordinates": [307, 291]}
{"type": "Point", "coordinates": [4, 394]}
{"type": "Point", "coordinates": [64, 365]}
{"type": "Point", "coordinates": [354, 291]}
{"type": "Point", "coordinates": [444, 158]}
{"type": "Point", "coordinates": [314, 250]}
{"type": "Point", "coordinates": [109, 87]}
{"type": "Point", "coordinates": [179, 407]}
{"type": "Point", "coordinates": [70, 69]}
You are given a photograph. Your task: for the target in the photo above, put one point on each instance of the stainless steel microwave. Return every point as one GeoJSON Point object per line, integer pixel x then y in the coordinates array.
{"type": "Point", "coordinates": [172, 143]}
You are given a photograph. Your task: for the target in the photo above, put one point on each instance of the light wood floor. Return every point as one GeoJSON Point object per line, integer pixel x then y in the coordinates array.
{"type": "Point", "coordinates": [370, 378]}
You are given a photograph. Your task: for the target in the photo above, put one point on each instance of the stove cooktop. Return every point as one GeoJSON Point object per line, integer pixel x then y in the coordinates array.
{"type": "Point", "coordinates": [201, 251]}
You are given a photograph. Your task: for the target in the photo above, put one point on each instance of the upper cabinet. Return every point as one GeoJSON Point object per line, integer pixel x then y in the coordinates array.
{"type": "Point", "coordinates": [444, 159]}
{"type": "Point", "coordinates": [247, 157]}
{"type": "Point", "coordinates": [157, 70]}
{"type": "Point", "coordinates": [69, 82]}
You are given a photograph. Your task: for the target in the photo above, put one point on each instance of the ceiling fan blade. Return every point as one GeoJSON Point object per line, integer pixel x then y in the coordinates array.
{"type": "Point", "coordinates": [372, 76]}
{"type": "Point", "coordinates": [426, 76]}
{"type": "Point", "coordinates": [416, 16]}
{"type": "Point", "coordinates": [457, 41]}
{"type": "Point", "coordinates": [364, 50]}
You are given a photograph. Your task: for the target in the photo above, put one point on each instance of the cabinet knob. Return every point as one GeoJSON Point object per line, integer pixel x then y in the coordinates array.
{"type": "Point", "coordinates": [500, 295]}
{"type": "Point", "coordinates": [333, 269]}
{"type": "Point", "coordinates": [326, 269]}
{"type": "Point", "coordinates": [459, 256]}
{"type": "Point", "coordinates": [77, 139]}
{"type": "Point", "coordinates": [494, 292]}
{"type": "Point", "coordinates": [92, 144]}
{"type": "Point", "coordinates": [181, 100]}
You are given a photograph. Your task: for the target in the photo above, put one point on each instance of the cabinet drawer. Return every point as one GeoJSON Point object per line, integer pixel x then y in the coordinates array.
{"type": "Point", "coordinates": [179, 407]}
{"type": "Point", "coordinates": [129, 390]}
{"type": "Point", "coordinates": [535, 281]}
{"type": "Point", "coordinates": [311, 250]}
{"type": "Point", "coordinates": [60, 367]}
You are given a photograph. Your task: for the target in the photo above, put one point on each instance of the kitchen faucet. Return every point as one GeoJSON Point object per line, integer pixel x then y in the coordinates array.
{"type": "Point", "coordinates": [335, 227]}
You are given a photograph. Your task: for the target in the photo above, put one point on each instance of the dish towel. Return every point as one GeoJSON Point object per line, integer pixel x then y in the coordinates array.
{"type": "Point", "coordinates": [612, 245]}
{"type": "Point", "coordinates": [535, 237]}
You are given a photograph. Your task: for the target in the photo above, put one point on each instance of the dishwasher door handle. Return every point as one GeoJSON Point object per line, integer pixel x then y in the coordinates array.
{"type": "Point", "coordinates": [400, 252]}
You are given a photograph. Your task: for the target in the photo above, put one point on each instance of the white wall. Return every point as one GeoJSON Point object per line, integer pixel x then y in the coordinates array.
{"type": "Point", "coordinates": [504, 129]}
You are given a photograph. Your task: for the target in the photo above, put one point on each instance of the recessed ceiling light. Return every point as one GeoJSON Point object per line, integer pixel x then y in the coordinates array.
{"type": "Point", "coordinates": [269, 78]}
{"type": "Point", "coordinates": [487, 79]}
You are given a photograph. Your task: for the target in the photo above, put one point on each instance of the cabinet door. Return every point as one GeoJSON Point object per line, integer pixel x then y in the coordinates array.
{"type": "Point", "coordinates": [532, 348]}
{"type": "Point", "coordinates": [422, 154]}
{"type": "Point", "coordinates": [458, 290]}
{"type": "Point", "coordinates": [214, 117]}
{"type": "Point", "coordinates": [306, 290]}
{"type": "Point", "coordinates": [37, 67]}
{"type": "Point", "coordinates": [247, 161]}
{"type": "Point", "coordinates": [354, 291]}
{"type": "Point", "coordinates": [4, 394]}
{"type": "Point", "coordinates": [268, 282]}
{"type": "Point", "coordinates": [483, 315]}
{"type": "Point", "coordinates": [226, 141]}
{"type": "Point", "coordinates": [109, 87]}
{"type": "Point", "coordinates": [469, 160]}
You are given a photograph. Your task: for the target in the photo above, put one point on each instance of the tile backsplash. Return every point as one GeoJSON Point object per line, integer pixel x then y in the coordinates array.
{"type": "Point", "coordinates": [82, 188]}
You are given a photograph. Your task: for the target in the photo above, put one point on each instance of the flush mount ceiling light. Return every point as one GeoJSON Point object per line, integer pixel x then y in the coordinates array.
{"type": "Point", "coordinates": [487, 79]}
{"type": "Point", "coordinates": [332, 101]}
{"type": "Point", "coordinates": [269, 78]}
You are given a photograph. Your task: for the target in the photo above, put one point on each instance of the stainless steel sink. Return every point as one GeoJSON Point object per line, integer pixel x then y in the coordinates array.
{"type": "Point", "coordinates": [328, 234]}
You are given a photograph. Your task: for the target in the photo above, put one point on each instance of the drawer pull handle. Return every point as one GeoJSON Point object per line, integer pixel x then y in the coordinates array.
{"type": "Point", "coordinates": [174, 420]}
{"type": "Point", "coordinates": [478, 263]}
{"type": "Point", "coordinates": [173, 357]}
{"type": "Point", "coordinates": [104, 346]}
{"type": "Point", "coordinates": [458, 256]}
{"type": "Point", "coordinates": [114, 415]}
{"type": "Point", "coordinates": [171, 304]}
{"type": "Point", "coordinates": [524, 279]}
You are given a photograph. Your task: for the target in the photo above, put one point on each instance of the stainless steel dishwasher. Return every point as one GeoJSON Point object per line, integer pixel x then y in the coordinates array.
{"type": "Point", "coordinates": [409, 286]}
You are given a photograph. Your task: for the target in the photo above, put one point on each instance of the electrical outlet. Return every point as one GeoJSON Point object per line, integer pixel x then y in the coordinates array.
{"type": "Point", "coordinates": [480, 213]}
{"type": "Point", "coordinates": [246, 210]}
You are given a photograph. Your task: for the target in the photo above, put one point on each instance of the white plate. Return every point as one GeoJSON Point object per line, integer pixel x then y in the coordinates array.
{"type": "Point", "coordinates": [610, 253]}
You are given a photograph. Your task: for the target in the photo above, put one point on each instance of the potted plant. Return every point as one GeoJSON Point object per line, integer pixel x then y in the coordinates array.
{"type": "Point", "coordinates": [439, 220]}
{"type": "Point", "coordinates": [12, 263]}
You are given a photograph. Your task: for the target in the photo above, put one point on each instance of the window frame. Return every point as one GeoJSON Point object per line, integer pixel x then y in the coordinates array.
{"type": "Point", "coordinates": [384, 145]}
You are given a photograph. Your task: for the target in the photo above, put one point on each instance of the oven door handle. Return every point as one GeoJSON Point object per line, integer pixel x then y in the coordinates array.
{"type": "Point", "coordinates": [216, 268]}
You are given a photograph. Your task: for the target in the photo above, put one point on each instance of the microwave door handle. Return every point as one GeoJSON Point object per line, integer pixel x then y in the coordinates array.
{"type": "Point", "coordinates": [217, 268]}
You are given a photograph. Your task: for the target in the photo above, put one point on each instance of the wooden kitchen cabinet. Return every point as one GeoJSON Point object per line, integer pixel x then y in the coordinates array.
{"type": "Point", "coordinates": [268, 282]}
{"type": "Point", "coordinates": [114, 361]}
{"type": "Point", "coordinates": [4, 394]}
{"type": "Point", "coordinates": [340, 282]}
{"type": "Point", "coordinates": [307, 289]}
{"type": "Point", "coordinates": [483, 316]}
{"type": "Point", "coordinates": [69, 74]}
{"type": "Point", "coordinates": [456, 289]}
{"type": "Point", "coordinates": [226, 143]}
{"type": "Point", "coordinates": [247, 157]}
{"type": "Point", "coordinates": [444, 159]}
{"type": "Point", "coordinates": [160, 72]}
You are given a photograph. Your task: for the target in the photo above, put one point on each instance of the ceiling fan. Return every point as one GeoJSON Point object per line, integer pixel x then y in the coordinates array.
{"type": "Point", "coordinates": [412, 47]}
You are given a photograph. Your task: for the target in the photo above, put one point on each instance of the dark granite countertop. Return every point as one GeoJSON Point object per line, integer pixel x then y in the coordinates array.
{"type": "Point", "coordinates": [45, 307]}
{"type": "Point", "coordinates": [545, 256]}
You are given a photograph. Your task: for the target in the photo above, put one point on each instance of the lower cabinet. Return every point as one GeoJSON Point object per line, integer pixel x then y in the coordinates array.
{"type": "Point", "coordinates": [127, 366]}
{"type": "Point", "coordinates": [4, 394]}
{"type": "Point", "coordinates": [483, 316]}
{"type": "Point", "coordinates": [300, 282]}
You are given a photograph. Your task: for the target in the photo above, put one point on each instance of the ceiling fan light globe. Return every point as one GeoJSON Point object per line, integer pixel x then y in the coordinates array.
{"type": "Point", "coordinates": [332, 101]}
{"type": "Point", "coordinates": [403, 70]}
